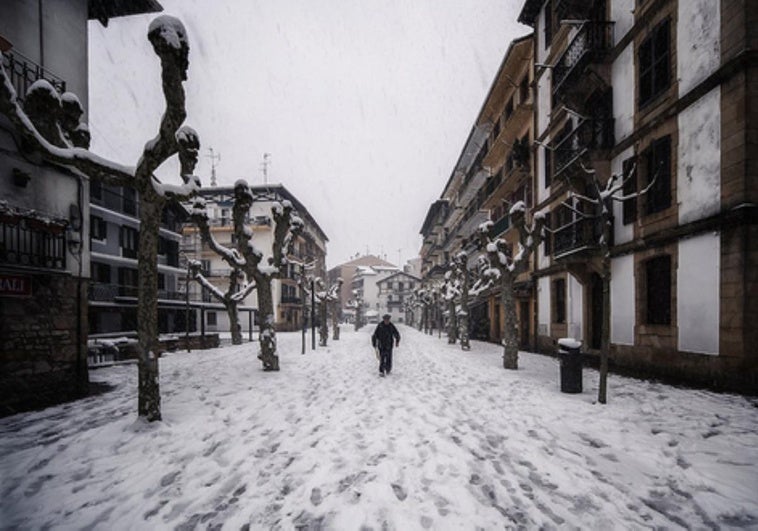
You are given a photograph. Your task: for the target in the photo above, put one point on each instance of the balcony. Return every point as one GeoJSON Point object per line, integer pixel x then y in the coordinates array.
{"type": "Point", "coordinates": [23, 72]}
{"type": "Point", "coordinates": [580, 235]}
{"type": "Point", "coordinates": [31, 240]}
{"type": "Point", "coordinates": [589, 46]}
{"type": "Point", "coordinates": [590, 135]}
{"type": "Point", "coordinates": [289, 299]}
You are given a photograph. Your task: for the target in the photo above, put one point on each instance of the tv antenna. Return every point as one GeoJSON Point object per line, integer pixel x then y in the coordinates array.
{"type": "Point", "coordinates": [264, 166]}
{"type": "Point", "coordinates": [214, 158]}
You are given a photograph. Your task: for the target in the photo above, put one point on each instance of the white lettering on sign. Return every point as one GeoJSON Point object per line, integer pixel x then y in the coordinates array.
{"type": "Point", "coordinates": [15, 285]}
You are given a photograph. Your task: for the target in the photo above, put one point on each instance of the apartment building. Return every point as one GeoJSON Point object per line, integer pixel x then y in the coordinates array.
{"type": "Point", "coordinates": [660, 90]}
{"type": "Point", "coordinates": [493, 172]}
{"type": "Point", "coordinates": [347, 270]}
{"type": "Point", "coordinates": [114, 235]}
{"type": "Point", "coordinates": [309, 249]}
{"type": "Point", "coordinates": [394, 292]}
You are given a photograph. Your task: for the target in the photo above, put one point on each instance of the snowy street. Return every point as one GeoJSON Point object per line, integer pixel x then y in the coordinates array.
{"type": "Point", "coordinates": [449, 440]}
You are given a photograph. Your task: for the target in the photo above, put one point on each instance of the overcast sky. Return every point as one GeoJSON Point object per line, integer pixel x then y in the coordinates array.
{"type": "Point", "coordinates": [364, 105]}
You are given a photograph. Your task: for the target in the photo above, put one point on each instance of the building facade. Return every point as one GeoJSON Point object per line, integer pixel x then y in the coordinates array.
{"type": "Point", "coordinates": [658, 91]}
{"type": "Point", "coordinates": [365, 284]}
{"type": "Point", "coordinates": [346, 271]}
{"type": "Point", "coordinates": [493, 171]}
{"type": "Point", "coordinates": [309, 249]}
{"type": "Point", "coordinates": [394, 292]}
{"type": "Point", "coordinates": [114, 238]}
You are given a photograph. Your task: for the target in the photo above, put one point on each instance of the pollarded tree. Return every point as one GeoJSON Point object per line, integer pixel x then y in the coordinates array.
{"type": "Point", "coordinates": [357, 304]}
{"type": "Point", "coordinates": [459, 267]}
{"type": "Point", "coordinates": [50, 127]}
{"type": "Point", "coordinates": [238, 288]}
{"type": "Point", "coordinates": [600, 209]}
{"type": "Point", "coordinates": [504, 269]}
{"type": "Point", "coordinates": [451, 291]}
{"type": "Point", "coordinates": [333, 297]}
{"type": "Point", "coordinates": [287, 225]}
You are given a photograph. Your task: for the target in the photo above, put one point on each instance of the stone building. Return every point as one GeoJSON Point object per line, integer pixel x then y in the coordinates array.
{"type": "Point", "coordinates": [44, 210]}
{"type": "Point", "coordinates": [659, 91]}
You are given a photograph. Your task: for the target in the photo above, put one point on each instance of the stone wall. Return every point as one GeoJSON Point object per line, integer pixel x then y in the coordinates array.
{"type": "Point", "coordinates": [43, 356]}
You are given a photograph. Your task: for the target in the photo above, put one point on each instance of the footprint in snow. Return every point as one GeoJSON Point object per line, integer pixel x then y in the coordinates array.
{"type": "Point", "coordinates": [316, 497]}
{"type": "Point", "coordinates": [399, 491]}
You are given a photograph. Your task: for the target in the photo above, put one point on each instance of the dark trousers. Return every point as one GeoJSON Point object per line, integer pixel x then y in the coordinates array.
{"type": "Point", "coordinates": [385, 360]}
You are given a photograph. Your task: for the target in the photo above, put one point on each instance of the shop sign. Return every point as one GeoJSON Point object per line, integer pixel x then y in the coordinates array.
{"type": "Point", "coordinates": [15, 285]}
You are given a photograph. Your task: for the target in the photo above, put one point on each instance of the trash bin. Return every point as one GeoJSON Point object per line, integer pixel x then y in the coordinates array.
{"type": "Point", "coordinates": [571, 365]}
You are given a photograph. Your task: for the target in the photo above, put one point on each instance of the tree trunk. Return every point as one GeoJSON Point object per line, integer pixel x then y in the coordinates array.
{"type": "Point", "coordinates": [149, 394]}
{"type": "Point", "coordinates": [465, 317]}
{"type": "Point", "coordinates": [234, 322]}
{"type": "Point", "coordinates": [335, 321]}
{"type": "Point", "coordinates": [452, 324]}
{"type": "Point", "coordinates": [323, 327]}
{"type": "Point", "coordinates": [605, 338]}
{"type": "Point", "coordinates": [268, 332]}
{"type": "Point", "coordinates": [510, 333]}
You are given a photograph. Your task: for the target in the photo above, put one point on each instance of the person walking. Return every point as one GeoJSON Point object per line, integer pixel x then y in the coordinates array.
{"type": "Point", "coordinates": [383, 339]}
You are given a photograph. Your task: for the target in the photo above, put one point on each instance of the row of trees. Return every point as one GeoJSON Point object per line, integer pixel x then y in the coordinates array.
{"type": "Point", "coordinates": [498, 268]}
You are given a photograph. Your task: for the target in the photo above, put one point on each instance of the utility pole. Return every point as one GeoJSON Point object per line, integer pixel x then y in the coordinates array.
{"type": "Point", "coordinates": [214, 158]}
{"type": "Point", "coordinates": [264, 166]}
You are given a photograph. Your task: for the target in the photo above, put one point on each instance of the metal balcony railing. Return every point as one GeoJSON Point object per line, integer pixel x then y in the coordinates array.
{"type": "Point", "coordinates": [589, 44]}
{"type": "Point", "coordinates": [31, 242]}
{"type": "Point", "coordinates": [22, 72]}
{"type": "Point", "coordinates": [590, 134]}
{"type": "Point", "coordinates": [579, 235]}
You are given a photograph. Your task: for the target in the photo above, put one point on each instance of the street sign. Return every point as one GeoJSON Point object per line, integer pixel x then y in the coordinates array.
{"type": "Point", "coordinates": [15, 285]}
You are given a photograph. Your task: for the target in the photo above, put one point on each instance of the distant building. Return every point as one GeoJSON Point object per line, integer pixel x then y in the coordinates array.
{"type": "Point", "coordinates": [44, 211]}
{"type": "Point", "coordinates": [309, 248]}
{"type": "Point", "coordinates": [394, 291]}
{"type": "Point", "coordinates": [346, 272]}
{"type": "Point", "coordinates": [366, 284]}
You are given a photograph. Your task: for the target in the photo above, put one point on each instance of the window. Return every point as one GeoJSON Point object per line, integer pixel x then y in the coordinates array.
{"type": "Point", "coordinates": [211, 319]}
{"type": "Point", "coordinates": [100, 273]}
{"type": "Point", "coordinates": [508, 109]}
{"type": "Point", "coordinates": [127, 282]}
{"type": "Point", "coordinates": [97, 228]}
{"type": "Point", "coordinates": [548, 235]}
{"type": "Point", "coordinates": [559, 300]}
{"type": "Point", "coordinates": [658, 290]}
{"type": "Point", "coordinates": [655, 63]}
{"type": "Point", "coordinates": [162, 245]}
{"type": "Point", "coordinates": [657, 161]}
{"type": "Point", "coordinates": [548, 167]}
{"type": "Point", "coordinates": [161, 281]}
{"type": "Point", "coordinates": [524, 90]}
{"type": "Point", "coordinates": [548, 23]}
{"type": "Point", "coordinates": [630, 187]}
{"type": "Point", "coordinates": [129, 241]}
{"type": "Point", "coordinates": [95, 189]}
{"type": "Point", "coordinates": [129, 201]}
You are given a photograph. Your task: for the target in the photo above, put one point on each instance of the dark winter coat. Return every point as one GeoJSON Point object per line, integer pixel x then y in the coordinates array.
{"type": "Point", "coordinates": [385, 336]}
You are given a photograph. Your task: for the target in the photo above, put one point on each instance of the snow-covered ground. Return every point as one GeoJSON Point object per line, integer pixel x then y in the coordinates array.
{"type": "Point", "coordinates": [448, 441]}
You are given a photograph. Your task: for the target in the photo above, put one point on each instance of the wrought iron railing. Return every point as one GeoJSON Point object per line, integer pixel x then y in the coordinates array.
{"type": "Point", "coordinates": [22, 72]}
{"type": "Point", "coordinates": [581, 234]}
{"type": "Point", "coordinates": [591, 41]}
{"type": "Point", "coordinates": [289, 299]}
{"type": "Point", "coordinates": [589, 135]}
{"type": "Point", "coordinates": [31, 242]}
